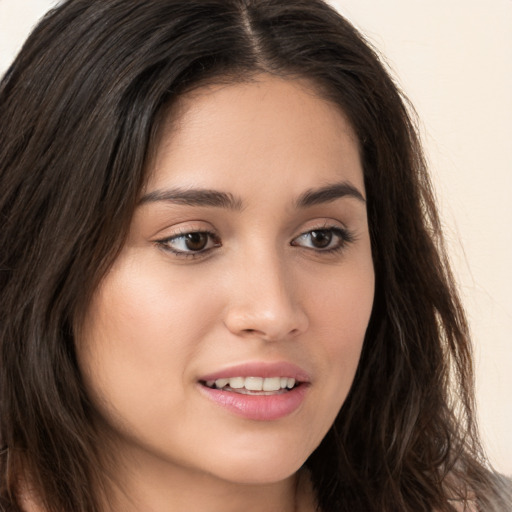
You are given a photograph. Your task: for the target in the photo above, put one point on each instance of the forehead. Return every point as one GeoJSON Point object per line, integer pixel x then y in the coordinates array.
{"type": "Point", "coordinates": [275, 130]}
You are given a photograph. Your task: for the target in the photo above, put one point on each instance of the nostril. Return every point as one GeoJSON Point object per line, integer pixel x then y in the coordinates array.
{"type": "Point", "coordinates": [270, 321]}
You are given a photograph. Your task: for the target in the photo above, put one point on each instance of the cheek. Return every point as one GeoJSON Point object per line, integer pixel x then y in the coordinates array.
{"type": "Point", "coordinates": [341, 314]}
{"type": "Point", "coordinates": [342, 307]}
{"type": "Point", "coordinates": [142, 312]}
{"type": "Point", "coordinates": [140, 333]}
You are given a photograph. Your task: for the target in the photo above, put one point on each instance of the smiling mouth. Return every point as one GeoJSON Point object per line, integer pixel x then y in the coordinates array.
{"type": "Point", "coordinates": [253, 385]}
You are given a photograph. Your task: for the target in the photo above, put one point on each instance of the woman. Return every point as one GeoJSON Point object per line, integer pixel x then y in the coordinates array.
{"type": "Point", "coordinates": [223, 284]}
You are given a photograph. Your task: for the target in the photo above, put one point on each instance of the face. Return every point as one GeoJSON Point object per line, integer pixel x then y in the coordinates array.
{"type": "Point", "coordinates": [225, 337]}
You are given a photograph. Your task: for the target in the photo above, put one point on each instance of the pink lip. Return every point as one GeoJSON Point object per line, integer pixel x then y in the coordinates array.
{"type": "Point", "coordinates": [260, 369]}
{"type": "Point", "coordinates": [259, 407]}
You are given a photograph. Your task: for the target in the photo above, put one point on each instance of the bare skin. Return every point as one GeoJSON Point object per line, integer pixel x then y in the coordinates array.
{"type": "Point", "coordinates": [299, 499]}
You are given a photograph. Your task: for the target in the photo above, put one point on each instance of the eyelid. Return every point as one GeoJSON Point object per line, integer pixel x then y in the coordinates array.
{"type": "Point", "coordinates": [181, 232]}
{"type": "Point", "coordinates": [345, 237]}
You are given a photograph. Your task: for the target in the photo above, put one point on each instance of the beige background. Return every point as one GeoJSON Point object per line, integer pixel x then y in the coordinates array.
{"type": "Point", "coordinates": [454, 60]}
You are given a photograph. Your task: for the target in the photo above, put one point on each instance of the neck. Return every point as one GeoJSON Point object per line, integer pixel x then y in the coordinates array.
{"type": "Point", "coordinates": [292, 495]}
{"type": "Point", "coordinates": [162, 488]}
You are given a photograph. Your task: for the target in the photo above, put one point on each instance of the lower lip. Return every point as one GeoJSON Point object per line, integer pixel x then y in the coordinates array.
{"type": "Point", "coordinates": [258, 407]}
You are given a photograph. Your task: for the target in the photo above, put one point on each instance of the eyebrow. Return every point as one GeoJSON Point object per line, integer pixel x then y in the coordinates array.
{"type": "Point", "coordinates": [194, 197]}
{"type": "Point", "coordinates": [218, 199]}
{"type": "Point", "coordinates": [328, 193]}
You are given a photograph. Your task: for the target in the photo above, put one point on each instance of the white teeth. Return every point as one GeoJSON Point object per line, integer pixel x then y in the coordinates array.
{"type": "Point", "coordinates": [237, 382]}
{"type": "Point", "coordinates": [220, 383]}
{"type": "Point", "coordinates": [254, 383]}
{"type": "Point", "coordinates": [272, 384]}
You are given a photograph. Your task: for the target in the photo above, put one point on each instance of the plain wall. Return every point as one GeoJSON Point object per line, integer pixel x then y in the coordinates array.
{"type": "Point", "coordinates": [454, 60]}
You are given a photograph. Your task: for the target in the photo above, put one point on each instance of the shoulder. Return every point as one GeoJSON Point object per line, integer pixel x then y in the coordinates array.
{"type": "Point", "coordinates": [29, 503]}
{"type": "Point", "coordinates": [469, 505]}
{"type": "Point", "coordinates": [491, 492]}
{"type": "Point", "coordinates": [27, 499]}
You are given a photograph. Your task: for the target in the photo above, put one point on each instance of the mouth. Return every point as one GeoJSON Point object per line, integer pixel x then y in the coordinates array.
{"type": "Point", "coordinates": [258, 391]}
{"type": "Point", "coordinates": [258, 386]}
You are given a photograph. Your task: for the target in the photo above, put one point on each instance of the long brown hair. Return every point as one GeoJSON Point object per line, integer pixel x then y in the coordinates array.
{"type": "Point", "coordinates": [79, 111]}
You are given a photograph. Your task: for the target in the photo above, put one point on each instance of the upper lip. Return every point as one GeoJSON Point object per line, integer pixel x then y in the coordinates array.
{"type": "Point", "coordinates": [260, 369]}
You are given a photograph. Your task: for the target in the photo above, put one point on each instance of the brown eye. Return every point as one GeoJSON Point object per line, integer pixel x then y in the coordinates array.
{"type": "Point", "coordinates": [196, 241]}
{"type": "Point", "coordinates": [321, 239]}
{"type": "Point", "coordinates": [324, 240]}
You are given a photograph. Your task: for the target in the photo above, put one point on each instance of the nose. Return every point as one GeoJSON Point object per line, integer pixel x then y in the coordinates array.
{"type": "Point", "coordinates": [264, 301]}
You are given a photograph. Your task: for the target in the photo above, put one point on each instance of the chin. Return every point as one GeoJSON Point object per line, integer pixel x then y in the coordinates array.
{"type": "Point", "coordinates": [260, 466]}
{"type": "Point", "coordinates": [263, 474]}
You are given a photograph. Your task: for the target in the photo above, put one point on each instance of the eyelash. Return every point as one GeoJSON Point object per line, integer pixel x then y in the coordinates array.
{"type": "Point", "coordinates": [344, 236]}
{"type": "Point", "coordinates": [165, 244]}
